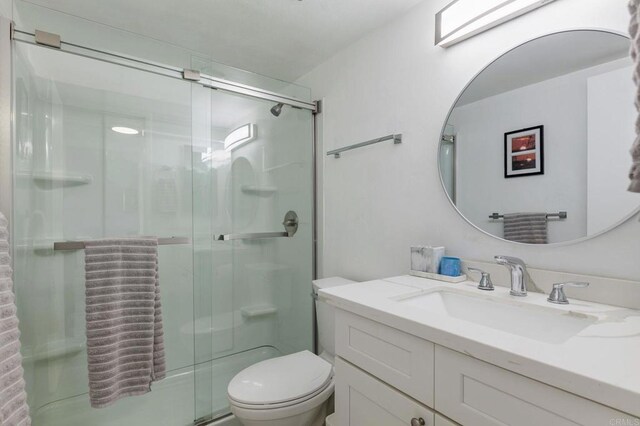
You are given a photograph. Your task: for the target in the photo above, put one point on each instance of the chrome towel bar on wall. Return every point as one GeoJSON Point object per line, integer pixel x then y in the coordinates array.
{"type": "Point", "coordinates": [396, 140]}
{"type": "Point", "coordinates": [559, 215]}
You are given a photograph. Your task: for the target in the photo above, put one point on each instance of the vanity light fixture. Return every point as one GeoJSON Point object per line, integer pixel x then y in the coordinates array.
{"type": "Point", "coordinates": [125, 130]}
{"type": "Point", "coordinates": [240, 136]}
{"type": "Point", "coordinates": [462, 19]}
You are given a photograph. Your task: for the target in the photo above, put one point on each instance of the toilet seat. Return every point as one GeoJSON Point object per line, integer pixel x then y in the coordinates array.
{"type": "Point", "coordinates": [278, 414]}
{"type": "Point", "coordinates": [281, 382]}
{"type": "Point", "coordinates": [285, 404]}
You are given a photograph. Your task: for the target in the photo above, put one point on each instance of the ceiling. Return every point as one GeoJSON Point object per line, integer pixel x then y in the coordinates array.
{"type": "Point", "coordinates": [283, 39]}
{"type": "Point", "coordinates": [545, 58]}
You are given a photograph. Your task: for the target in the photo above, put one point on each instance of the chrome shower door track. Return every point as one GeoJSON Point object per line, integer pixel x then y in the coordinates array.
{"type": "Point", "coordinates": [161, 69]}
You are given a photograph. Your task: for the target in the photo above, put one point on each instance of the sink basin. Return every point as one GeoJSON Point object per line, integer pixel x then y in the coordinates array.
{"type": "Point", "coordinates": [548, 325]}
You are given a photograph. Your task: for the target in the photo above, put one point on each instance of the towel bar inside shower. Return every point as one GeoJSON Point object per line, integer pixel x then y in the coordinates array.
{"type": "Point", "coordinates": [559, 215]}
{"type": "Point", "coordinates": [290, 224]}
{"type": "Point", "coordinates": [80, 245]}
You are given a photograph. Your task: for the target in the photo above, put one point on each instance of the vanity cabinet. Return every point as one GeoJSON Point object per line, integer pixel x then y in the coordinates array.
{"type": "Point", "coordinates": [385, 376]}
{"type": "Point", "coordinates": [402, 360]}
{"type": "Point", "coordinates": [365, 400]}
{"type": "Point", "coordinates": [476, 393]}
{"type": "Point", "coordinates": [443, 421]}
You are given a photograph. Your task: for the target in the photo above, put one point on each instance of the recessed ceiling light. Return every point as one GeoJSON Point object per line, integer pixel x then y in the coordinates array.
{"type": "Point", "coordinates": [125, 130]}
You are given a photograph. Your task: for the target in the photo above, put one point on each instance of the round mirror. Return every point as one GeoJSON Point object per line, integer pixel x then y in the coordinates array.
{"type": "Point", "coordinates": [536, 148]}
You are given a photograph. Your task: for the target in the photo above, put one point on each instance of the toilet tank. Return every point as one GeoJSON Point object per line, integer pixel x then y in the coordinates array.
{"type": "Point", "coordinates": [325, 317]}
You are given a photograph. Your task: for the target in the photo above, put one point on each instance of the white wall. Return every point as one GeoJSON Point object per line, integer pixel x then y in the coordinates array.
{"type": "Point", "coordinates": [379, 200]}
{"type": "Point", "coordinates": [609, 97]}
{"type": "Point", "coordinates": [6, 8]}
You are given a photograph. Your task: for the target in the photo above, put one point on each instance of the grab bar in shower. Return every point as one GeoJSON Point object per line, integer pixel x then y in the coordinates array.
{"type": "Point", "coordinates": [396, 140]}
{"type": "Point", "coordinates": [80, 245]}
{"type": "Point", "coordinates": [290, 223]}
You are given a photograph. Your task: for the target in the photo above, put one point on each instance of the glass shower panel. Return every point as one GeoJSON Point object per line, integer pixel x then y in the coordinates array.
{"type": "Point", "coordinates": [78, 178]}
{"type": "Point", "coordinates": [252, 293]}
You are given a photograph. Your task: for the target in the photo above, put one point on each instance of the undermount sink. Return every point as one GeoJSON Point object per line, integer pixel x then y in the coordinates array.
{"type": "Point", "coordinates": [548, 325]}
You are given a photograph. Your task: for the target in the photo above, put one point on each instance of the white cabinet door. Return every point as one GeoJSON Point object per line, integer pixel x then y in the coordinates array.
{"type": "Point", "coordinates": [362, 400]}
{"type": "Point", "coordinates": [443, 421]}
{"type": "Point", "coordinates": [473, 392]}
{"type": "Point", "coordinates": [400, 359]}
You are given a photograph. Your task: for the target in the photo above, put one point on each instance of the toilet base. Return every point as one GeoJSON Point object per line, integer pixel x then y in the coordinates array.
{"type": "Point", "coordinates": [311, 412]}
{"type": "Point", "coordinates": [314, 417]}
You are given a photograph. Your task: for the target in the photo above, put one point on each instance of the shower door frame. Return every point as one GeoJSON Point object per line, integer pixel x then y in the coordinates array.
{"type": "Point", "coordinates": [9, 34]}
{"type": "Point", "coordinates": [6, 136]}
{"type": "Point", "coordinates": [163, 69]}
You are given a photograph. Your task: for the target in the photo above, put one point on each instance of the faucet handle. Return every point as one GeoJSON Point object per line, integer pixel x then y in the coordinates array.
{"type": "Point", "coordinates": [557, 293]}
{"type": "Point", "coordinates": [485, 281]}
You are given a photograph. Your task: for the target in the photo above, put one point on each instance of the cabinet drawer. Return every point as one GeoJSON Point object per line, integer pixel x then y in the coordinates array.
{"type": "Point", "coordinates": [473, 392]}
{"type": "Point", "coordinates": [400, 359]}
{"type": "Point", "coordinates": [363, 400]}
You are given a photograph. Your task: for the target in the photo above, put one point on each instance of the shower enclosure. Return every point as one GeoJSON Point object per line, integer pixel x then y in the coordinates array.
{"type": "Point", "coordinates": [106, 145]}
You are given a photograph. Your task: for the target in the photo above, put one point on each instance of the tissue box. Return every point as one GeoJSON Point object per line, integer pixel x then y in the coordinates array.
{"type": "Point", "coordinates": [426, 258]}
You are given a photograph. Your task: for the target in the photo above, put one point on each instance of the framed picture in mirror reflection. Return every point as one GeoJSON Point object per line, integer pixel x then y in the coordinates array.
{"type": "Point", "coordinates": [524, 152]}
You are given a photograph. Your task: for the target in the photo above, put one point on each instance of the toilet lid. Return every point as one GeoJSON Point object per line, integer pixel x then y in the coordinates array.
{"type": "Point", "coordinates": [281, 379]}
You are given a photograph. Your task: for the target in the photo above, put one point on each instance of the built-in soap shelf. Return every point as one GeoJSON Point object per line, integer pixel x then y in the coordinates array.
{"type": "Point", "coordinates": [258, 190]}
{"type": "Point", "coordinates": [258, 311]}
{"type": "Point", "coordinates": [57, 178]}
{"type": "Point", "coordinates": [53, 350]}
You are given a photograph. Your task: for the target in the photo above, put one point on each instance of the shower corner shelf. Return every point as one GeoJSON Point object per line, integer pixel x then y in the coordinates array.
{"type": "Point", "coordinates": [60, 178]}
{"type": "Point", "coordinates": [258, 311]}
{"type": "Point", "coordinates": [259, 190]}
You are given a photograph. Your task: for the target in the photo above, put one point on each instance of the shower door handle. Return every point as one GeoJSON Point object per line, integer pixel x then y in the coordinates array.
{"type": "Point", "coordinates": [290, 225]}
{"type": "Point", "coordinates": [251, 236]}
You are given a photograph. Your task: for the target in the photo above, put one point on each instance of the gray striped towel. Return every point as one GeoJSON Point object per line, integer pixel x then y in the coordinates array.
{"type": "Point", "coordinates": [530, 228]}
{"type": "Point", "coordinates": [125, 345]}
{"type": "Point", "coordinates": [14, 410]}
{"type": "Point", "coordinates": [634, 32]}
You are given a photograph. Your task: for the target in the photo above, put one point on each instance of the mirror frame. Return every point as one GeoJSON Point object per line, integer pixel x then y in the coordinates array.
{"type": "Point", "coordinates": [444, 127]}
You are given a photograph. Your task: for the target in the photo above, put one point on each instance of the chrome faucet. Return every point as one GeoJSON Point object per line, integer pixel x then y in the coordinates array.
{"type": "Point", "coordinates": [518, 268]}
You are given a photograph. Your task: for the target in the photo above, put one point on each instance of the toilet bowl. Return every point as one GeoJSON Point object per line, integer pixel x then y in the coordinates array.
{"type": "Point", "coordinates": [291, 390]}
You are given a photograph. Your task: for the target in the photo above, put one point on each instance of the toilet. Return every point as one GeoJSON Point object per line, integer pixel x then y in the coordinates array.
{"type": "Point", "coordinates": [291, 390]}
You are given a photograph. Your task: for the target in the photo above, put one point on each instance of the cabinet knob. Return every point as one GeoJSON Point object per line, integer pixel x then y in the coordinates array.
{"type": "Point", "coordinates": [417, 422]}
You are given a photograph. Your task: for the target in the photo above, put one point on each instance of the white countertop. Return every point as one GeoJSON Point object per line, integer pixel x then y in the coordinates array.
{"type": "Point", "coordinates": [601, 363]}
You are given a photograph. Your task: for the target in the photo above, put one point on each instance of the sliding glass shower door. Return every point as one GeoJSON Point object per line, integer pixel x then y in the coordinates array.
{"type": "Point", "coordinates": [100, 150]}
{"type": "Point", "coordinates": [253, 168]}
{"type": "Point", "coordinates": [103, 150]}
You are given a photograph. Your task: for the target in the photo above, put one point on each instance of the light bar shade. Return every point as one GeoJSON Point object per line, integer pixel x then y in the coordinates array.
{"type": "Point", "coordinates": [125, 130]}
{"type": "Point", "coordinates": [240, 136]}
{"type": "Point", "coordinates": [462, 19]}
